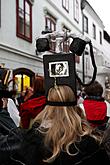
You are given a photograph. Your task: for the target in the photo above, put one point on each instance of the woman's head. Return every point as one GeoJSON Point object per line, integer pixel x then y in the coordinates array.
{"type": "Point", "coordinates": [95, 89]}
{"type": "Point", "coordinates": [38, 84]}
{"type": "Point", "coordinates": [29, 92]}
{"type": "Point", "coordinates": [61, 93]}
{"type": "Point", "coordinates": [64, 124]}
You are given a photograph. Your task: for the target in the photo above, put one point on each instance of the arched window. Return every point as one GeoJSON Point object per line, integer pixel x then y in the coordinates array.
{"type": "Point", "coordinates": [23, 78]}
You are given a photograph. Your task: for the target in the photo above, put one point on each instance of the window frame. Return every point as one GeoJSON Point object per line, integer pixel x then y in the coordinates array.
{"type": "Point", "coordinates": [76, 11]}
{"type": "Point", "coordinates": [85, 24]}
{"type": "Point", "coordinates": [94, 31]}
{"type": "Point", "coordinates": [50, 22]}
{"type": "Point", "coordinates": [66, 43]}
{"type": "Point", "coordinates": [65, 5]}
{"type": "Point", "coordinates": [23, 71]}
{"type": "Point", "coordinates": [100, 35]}
{"type": "Point", "coordinates": [20, 35]}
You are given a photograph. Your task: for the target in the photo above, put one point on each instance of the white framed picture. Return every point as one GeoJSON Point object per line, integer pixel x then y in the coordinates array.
{"type": "Point", "coordinates": [58, 69]}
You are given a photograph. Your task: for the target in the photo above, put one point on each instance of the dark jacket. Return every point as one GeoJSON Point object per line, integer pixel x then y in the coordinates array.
{"type": "Point", "coordinates": [106, 140]}
{"type": "Point", "coordinates": [26, 146]}
{"type": "Point", "coordinates": [6, 122]}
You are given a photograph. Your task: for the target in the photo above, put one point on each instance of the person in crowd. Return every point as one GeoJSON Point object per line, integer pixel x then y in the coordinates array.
{"type": "Point", "coordinates": [34, 102]}
{"type": "Point", "coordinates": [13, 111]}
{"type": "Point", "coordinates": [20, 99]}
{"type": "Point", "coordinates": [83, 94]}
{"type": "Point", "coordinates": [6, 122]}
{"type": "Point", "coordinates": [106, 141]}
{"type": "Point", "coordinates": [10, 106]}
{"type": "Point", "coordinates": [13, 94]}
{"type": "Point", "coordinates": [29, 92]}
{"type": "Point", "coordinates": [60, 135]}
{"type": "Point", "coordinates": [95, 107]}
{"type": "Point", "coordinates": [79, 97]}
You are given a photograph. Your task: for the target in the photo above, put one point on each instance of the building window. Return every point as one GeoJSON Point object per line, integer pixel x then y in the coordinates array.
{"type": "Point", "coordinates": [76, 11]}
{"type": "Point", "coordinates": [24, 19]}
{"type": "Point", "coordinates": [65, 4]}
{"type": "Point", "coordinates": [22, 82]}
{"type": "Point", "coordinates": [85, 24]}
{"type": "Point", "coordinates": [66, 43]}
{"type": "Point", "coordinates": [50, 22]}
{"type": "Point", "coordinates": [94, 31]}
{"type": "Point", "coordinates": [23, 78]}
{"type": "Point", "coordinates": [100, 35]}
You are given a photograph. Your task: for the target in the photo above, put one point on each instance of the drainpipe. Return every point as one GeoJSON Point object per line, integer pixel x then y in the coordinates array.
{"type": "Point", "coordinates": [83, 4]}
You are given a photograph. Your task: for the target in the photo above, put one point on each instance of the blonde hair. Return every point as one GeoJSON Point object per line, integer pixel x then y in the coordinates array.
{"type": "Point", "coordinates": [65, 124]}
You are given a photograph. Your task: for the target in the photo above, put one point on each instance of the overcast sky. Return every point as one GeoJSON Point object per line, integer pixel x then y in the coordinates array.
{"type": "Point", "coordinates": [102, 8]}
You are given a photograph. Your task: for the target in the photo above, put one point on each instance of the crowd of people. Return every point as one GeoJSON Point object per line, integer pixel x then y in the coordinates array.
{"type": "Point", "coordinates": [54, 129]}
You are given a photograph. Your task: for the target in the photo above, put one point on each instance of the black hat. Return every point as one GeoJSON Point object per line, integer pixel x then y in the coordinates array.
{"type": "Point", "coordinates": [59, 69]}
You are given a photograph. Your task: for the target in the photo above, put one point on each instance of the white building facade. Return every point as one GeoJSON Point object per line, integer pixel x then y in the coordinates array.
{"type": "Point", "coordinates": [94, 29]}
{"type": "Point", "coordinates": [22, 21]}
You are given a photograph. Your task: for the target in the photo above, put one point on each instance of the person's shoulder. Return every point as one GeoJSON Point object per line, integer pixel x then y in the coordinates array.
{"type": "Point", "coordinates": [10, 100]}
{"type": "Point", "coordinates": [108, 107]}
{"type": "Point", "coordinates": [81, 105]}
{"type": "Point", "coordinates": [89, 143]}
{"type": "Point", "coordinates": [107, 103]}
{"type": "Point", "coordinates": [93, 150]}
{"type": "Point", "coordinates": [33, 135]}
